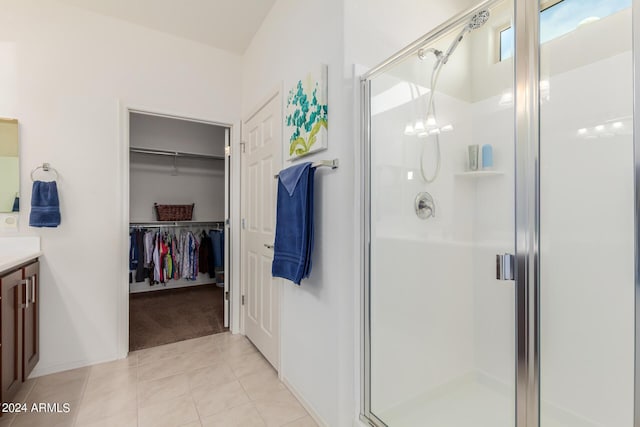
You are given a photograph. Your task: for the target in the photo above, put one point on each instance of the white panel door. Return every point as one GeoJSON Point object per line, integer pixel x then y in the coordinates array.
{"type": "Point", "coordinates": [261, 160]}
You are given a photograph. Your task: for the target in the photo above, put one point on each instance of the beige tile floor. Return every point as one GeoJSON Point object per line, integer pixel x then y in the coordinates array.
{"type": "Point", "coordinates": [215, 381]}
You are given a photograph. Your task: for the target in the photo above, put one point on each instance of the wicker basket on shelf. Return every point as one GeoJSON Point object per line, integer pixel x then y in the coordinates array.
{"type": "Point", "coordinates": [174, 212]}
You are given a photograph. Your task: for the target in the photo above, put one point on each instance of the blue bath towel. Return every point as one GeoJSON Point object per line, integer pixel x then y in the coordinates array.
{"type": "Point", "coordinates": [45, 206]}
{"type": "Point", "coordinates": [294, 223]}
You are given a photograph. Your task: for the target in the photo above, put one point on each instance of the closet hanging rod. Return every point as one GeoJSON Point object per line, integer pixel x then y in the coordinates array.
{"type": "Point", "coordinates": [173, 153]}
{"type": "Point", "coordinates": [333, 164]}
{"type": "Point", "coordinates": [162, 224]}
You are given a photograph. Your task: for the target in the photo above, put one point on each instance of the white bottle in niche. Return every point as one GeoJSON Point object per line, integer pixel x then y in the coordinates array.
{"type": "Point", "coordinates": [473, 156]}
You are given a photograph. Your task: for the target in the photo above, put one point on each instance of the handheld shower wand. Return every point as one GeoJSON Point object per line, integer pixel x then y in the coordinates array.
{"type": "Point", "coordinates": [476, 21]}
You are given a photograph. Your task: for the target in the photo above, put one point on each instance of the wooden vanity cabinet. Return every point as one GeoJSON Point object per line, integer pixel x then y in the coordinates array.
{"type": "Point", "coordinates": [11, 339]}
{"type": "Point", "coordinates": [19, 339]}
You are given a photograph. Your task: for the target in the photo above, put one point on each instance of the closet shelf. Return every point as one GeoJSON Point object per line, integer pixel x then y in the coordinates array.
{"type": "Point", "coordinates": [151, 224]}
{"type": "Point", "coordinates": [156, 152]}
{"type": "Point", "coordinates": [479, 174]}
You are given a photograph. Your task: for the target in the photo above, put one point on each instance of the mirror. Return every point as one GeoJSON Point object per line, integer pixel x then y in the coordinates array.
{"type": "Point", "coordinates": [9, 166]}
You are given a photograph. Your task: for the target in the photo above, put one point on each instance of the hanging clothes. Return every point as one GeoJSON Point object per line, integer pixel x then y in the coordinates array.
{"type": "Point", "coordinates": [149, 263]}
{"type": "Point", "coordinates": [193, 273]}
{"type": "Point", "coordinates": [217, 239]}
{"type": "Point", "coordinates": [161, 255]}
{"type": "Point", "coordinates": [184, 254]}
{"type": "Point", "coordinates": [148, 248]}
{"type": "Point", "coordinates": [140, 268]}
{"type": "Point", "coordinates": [156, 258]}
{"type": "Point", "coordinates": [133, 251]}
{"type": "Point", "coordinates": [136, 256]}
{"type": "Point", "coordinates": [204, 255]}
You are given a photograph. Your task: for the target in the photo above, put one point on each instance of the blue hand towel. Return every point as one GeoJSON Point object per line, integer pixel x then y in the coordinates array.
{"type": "Point", "coordinates": [45, 206]}
{"type": "Point", "coordinates": [294, 223]}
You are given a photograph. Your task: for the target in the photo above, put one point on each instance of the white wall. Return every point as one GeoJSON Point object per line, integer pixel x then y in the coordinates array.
{"type": "Point", "coordinates": [153, 178]}
{"type": "Point", "coordinates": [198, 181]}
{"type": "Point", "coordinates": [376, 29]}
{"type": "Point", "coordinates": [317, 325]}
{"type": "Point", "coordinates": [165, 133]}
{"type": "Point", "coordinates": [66, 74]}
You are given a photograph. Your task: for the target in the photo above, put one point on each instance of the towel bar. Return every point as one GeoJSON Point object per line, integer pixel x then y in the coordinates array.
{"type": "Point", "coordinates": [333, 164]}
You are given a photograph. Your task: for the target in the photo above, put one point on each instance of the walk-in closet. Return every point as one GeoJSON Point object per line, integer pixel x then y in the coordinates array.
{"type": "Point", "coordinates": [177, 193]}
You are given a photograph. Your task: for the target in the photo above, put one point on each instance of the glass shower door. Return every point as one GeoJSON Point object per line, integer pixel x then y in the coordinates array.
{"type": "Point", "coordinates": [441, 158]}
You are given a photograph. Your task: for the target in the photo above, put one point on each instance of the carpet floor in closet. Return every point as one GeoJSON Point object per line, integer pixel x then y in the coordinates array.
{"type": "Point", "coordinates": [172, 315]}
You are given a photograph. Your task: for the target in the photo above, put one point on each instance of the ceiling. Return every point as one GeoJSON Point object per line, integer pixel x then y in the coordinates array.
{"type": "Point", "coordinates": [226, 24]}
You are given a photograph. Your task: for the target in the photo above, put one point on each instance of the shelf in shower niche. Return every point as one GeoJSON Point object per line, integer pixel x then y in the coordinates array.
{"type": "Point", "coordinates": [479, 174]}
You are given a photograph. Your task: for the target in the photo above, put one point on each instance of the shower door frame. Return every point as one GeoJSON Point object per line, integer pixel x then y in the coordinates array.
{"type": "Point", "coordinates": [635, 11]}
{"type": "Point", "coordinates": [526, 210]}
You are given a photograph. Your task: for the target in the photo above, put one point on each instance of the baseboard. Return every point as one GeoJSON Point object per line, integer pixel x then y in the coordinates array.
{"type": "Point", "coordinates": [312, 412]}
{"type": "Point", "coordinates": [40, 371]}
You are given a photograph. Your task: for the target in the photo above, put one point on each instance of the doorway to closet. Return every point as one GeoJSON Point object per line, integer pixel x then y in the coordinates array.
{"type": "Point", "coordinates": [178, 248]}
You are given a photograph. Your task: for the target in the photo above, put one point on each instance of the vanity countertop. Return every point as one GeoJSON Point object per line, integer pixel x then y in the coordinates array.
{"type": "Point", "coordinates": [18, 250]}
{"type": "Point", "coordinates": [8, 262]}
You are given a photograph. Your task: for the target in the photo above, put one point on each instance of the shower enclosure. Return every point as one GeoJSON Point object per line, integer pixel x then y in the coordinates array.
{"type": "Point", "coordinates": [500, 221]}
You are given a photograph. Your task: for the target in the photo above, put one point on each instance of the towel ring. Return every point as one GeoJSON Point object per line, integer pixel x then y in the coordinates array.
{"type": "Point", "coordinates": [45, 167]}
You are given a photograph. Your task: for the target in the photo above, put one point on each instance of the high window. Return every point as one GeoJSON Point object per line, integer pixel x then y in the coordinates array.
{"type": "Point", "coordinates": [561, 17]}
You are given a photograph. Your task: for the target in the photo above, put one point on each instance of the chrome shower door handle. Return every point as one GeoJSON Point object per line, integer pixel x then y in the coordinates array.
{"type": "Point", "coordinates": [505, 267]}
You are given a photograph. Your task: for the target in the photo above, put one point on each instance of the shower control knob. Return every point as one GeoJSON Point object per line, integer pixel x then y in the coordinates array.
{"type": "Point", "coordinates": [425, 206]}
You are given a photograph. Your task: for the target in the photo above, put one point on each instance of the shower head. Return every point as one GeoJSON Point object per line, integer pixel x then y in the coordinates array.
{"type": "Point", "coordinates": [476, 21]}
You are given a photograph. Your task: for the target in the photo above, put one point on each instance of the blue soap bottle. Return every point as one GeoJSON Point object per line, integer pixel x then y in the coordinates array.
{"type": "Point", "coordinates": [487, 156]}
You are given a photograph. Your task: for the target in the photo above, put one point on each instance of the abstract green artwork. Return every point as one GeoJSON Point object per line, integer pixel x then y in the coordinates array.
{"type": "Point", "coordinates": [306, 115]}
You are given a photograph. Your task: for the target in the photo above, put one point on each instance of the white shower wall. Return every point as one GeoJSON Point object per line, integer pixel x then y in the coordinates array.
{"type": "Point", "coordinates": [422, 282]}
{"type": "Point", "coordinates": [587, 293]}
{"type": "Point", "coordinates": [493, 233]}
